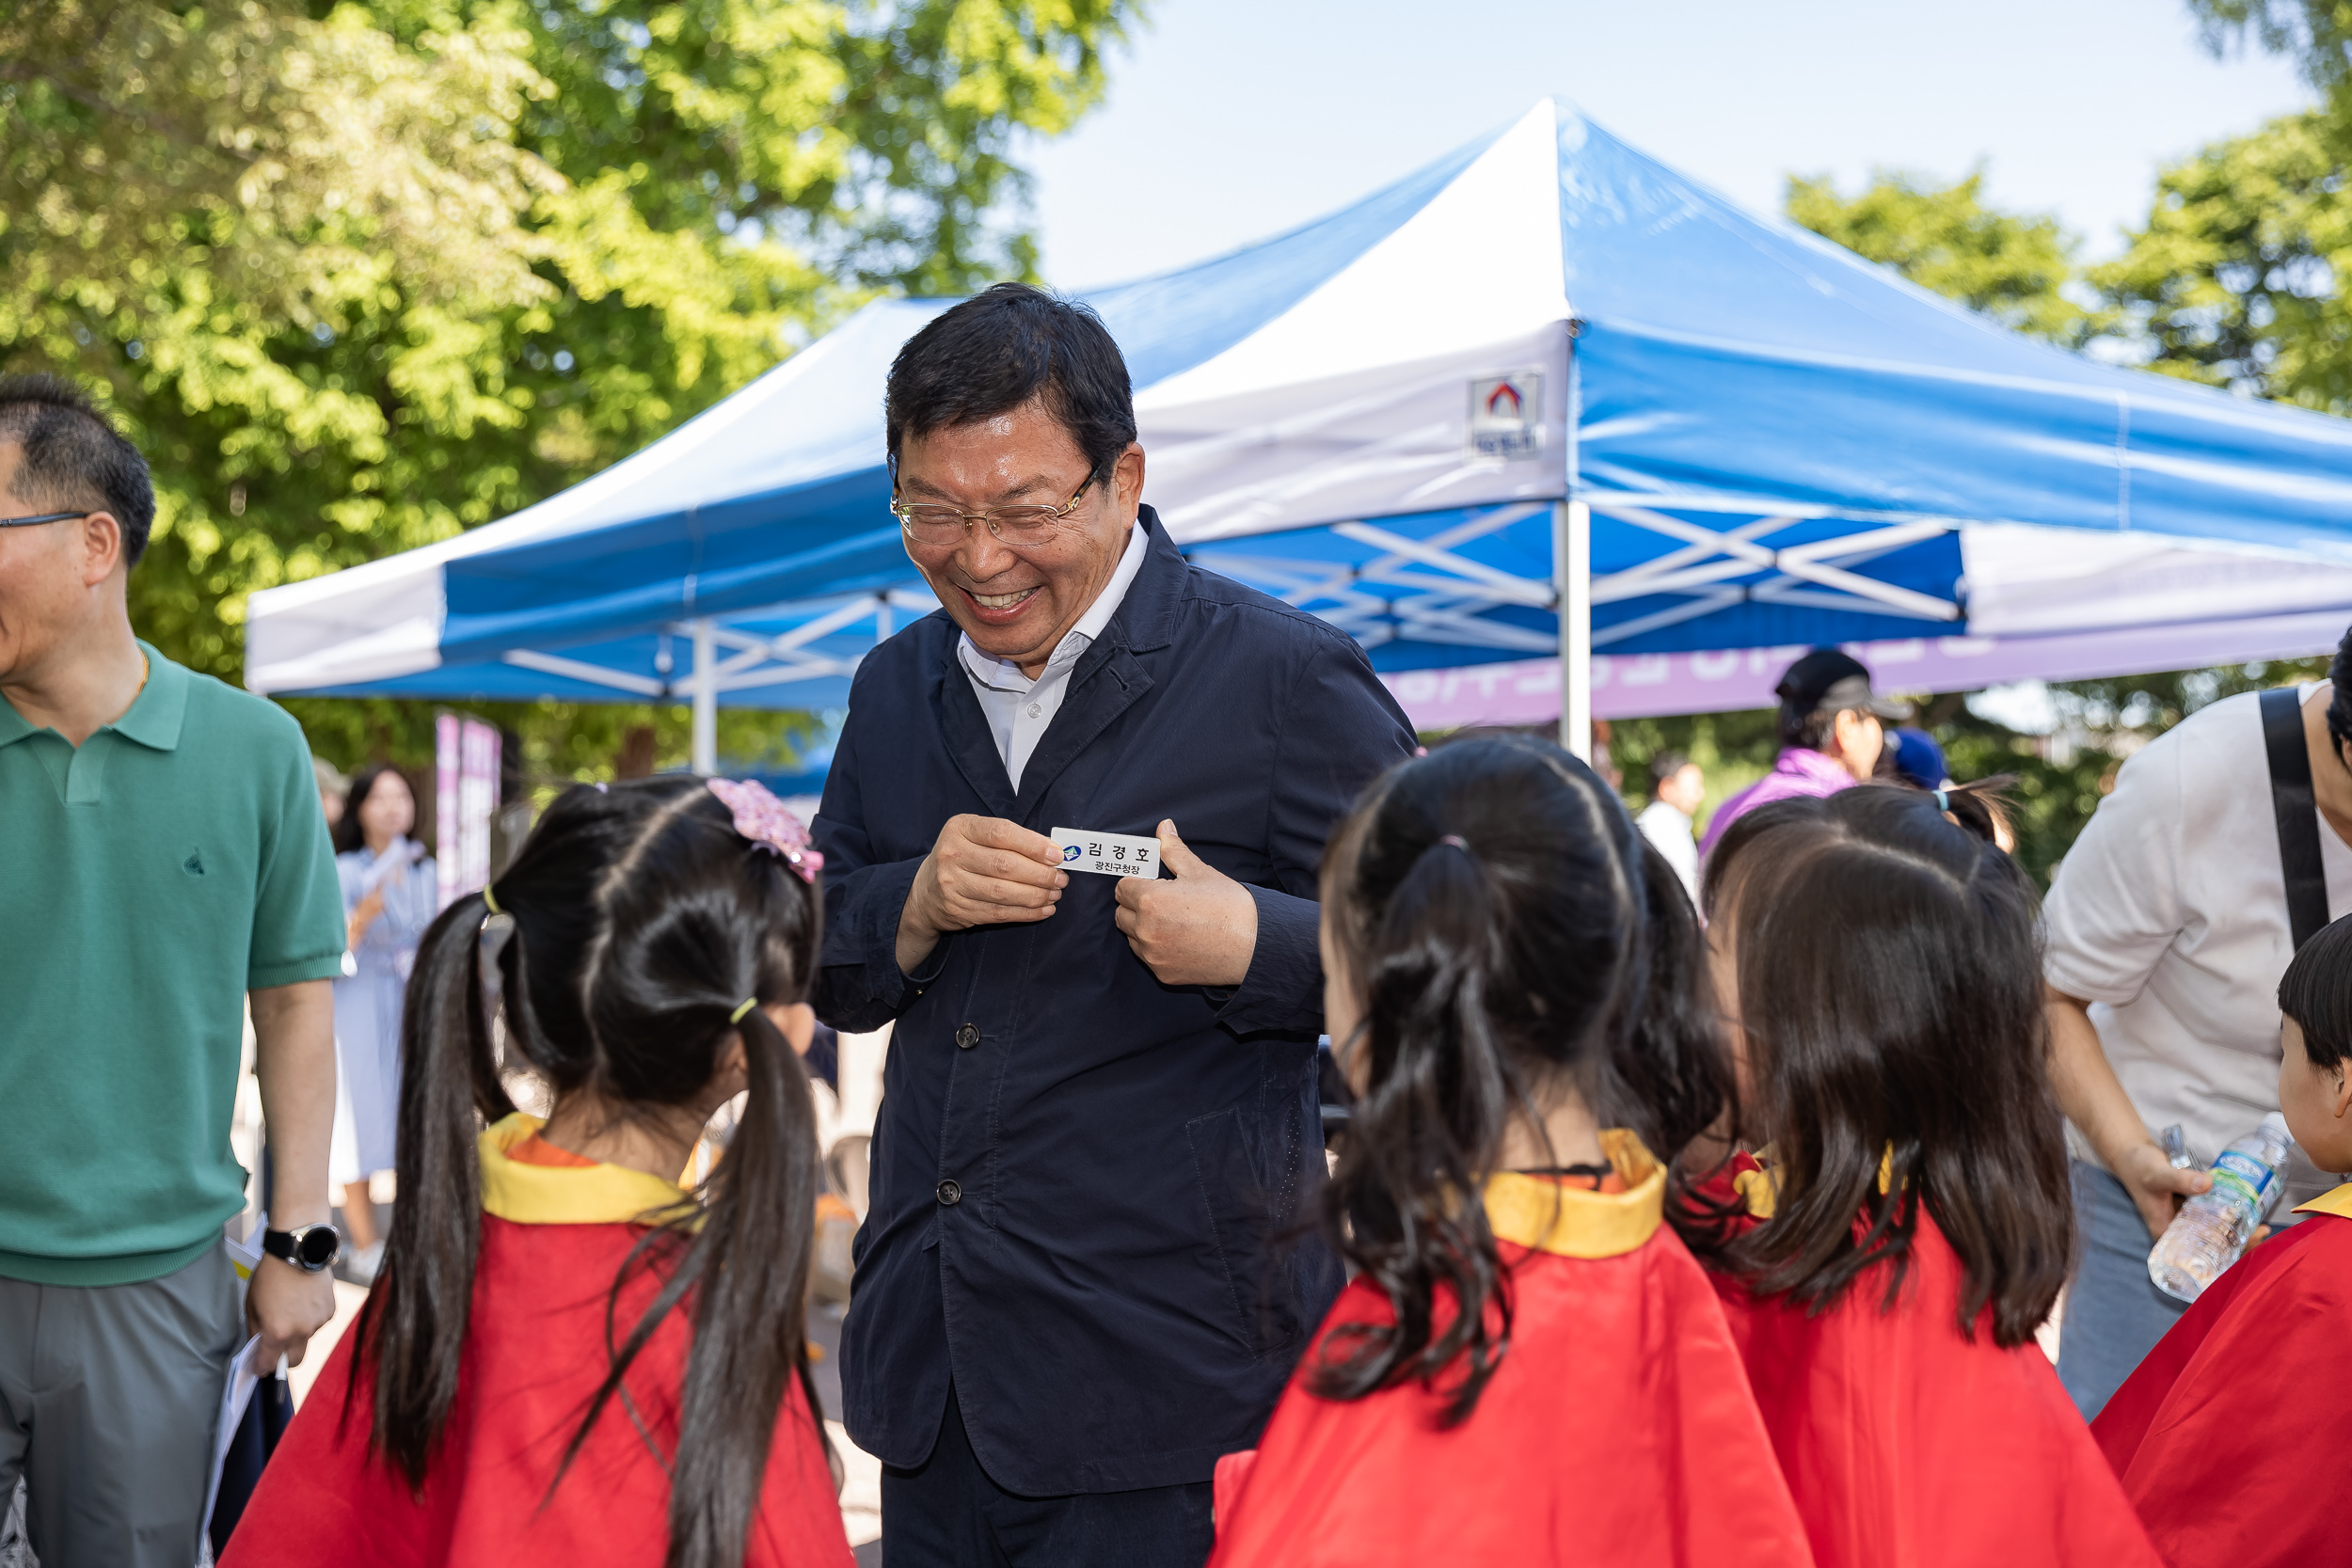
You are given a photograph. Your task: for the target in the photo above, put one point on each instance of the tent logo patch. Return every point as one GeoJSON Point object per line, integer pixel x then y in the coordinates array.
{"type": "Point", "coordinates": [1506, 415]}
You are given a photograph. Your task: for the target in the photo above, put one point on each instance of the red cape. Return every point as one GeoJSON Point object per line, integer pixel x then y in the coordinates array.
{"type": "Point", "coordinates": [2223, 1435]}
{"type": "Point", "coordinates": [1617, 1430]}
{"type": "Point", "coordinates": [1904, 1443]}
{"type": "Point", "coordinates": [535, 1352]}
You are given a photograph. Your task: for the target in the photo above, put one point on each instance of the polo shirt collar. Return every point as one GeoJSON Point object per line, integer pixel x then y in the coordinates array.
{"type": "Point", "coordinates": [152, 718]}
{"type": "Point", "coordinates": [13, 726]}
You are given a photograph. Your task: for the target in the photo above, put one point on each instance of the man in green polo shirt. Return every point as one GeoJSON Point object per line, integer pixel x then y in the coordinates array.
{"type": "Point", "coordinates": [162, 856]}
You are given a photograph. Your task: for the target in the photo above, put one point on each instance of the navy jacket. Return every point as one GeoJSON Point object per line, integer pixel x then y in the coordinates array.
{"type": "Point", "coordinates": [1084, 1181]}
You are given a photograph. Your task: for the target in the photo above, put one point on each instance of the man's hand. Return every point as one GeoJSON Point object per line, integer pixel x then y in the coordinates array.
{"type": "Point", "coordinates": [2154, 1185]}
{"type": "Point", "coordinates": [2093, 1099]}
{"type": "Point", "coordinates": [285, 1306]}
{"type": "Point", "coordinates": [1200, 930]}
{"type": "Point", "coordinates": [982, 871]}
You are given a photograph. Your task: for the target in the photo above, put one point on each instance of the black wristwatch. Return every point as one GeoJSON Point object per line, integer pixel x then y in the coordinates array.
{"type": "Point", "coordinates": [313, 1248]}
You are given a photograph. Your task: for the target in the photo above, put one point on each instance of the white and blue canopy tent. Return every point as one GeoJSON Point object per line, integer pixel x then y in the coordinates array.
{"type": "Point", "coordinates": [1546, 395]}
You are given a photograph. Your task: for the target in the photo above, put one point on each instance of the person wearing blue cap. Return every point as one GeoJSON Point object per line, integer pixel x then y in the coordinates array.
{"type": "Point", "coordinates": [1918, 760]}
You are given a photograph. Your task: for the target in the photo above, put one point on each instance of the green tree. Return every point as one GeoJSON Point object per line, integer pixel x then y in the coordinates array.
{"type": "Point", "coordinates": [2013, 267]}
{"type": "Point", "coordinates": [2318, 34]}
{"type": "Point", "coordinates": [2235, 278]}
{"type": "Point", "coordinates": [363, 275]}
{"type": "Point", "coordinates": [2231, 282]}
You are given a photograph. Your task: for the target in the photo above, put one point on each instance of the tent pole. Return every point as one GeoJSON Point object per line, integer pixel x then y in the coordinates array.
{"type": "Point", "coordinates": [1572, 567]}
{"type": "Point", "coordinates": [705, 686]}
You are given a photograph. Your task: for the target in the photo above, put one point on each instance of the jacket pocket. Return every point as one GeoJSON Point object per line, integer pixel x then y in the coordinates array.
{"type": "Point", "coordinates": [1247, 1168]}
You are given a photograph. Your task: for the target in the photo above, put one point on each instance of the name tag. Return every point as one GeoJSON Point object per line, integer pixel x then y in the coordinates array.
{"type": "Point", "coordinates": [1110, 854]}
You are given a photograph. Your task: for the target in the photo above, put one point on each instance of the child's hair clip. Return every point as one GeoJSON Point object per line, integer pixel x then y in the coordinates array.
{"type": "Point", "coordinates": [764, 819]}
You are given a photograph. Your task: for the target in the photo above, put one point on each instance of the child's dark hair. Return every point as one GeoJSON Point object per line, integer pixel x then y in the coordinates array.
{"type": "Point", "coordinates": [642, 919]}
{"type": "Point", "coordinates": [1890, 989]}
{"type": "Point", "coordinates": [1510, 934]}
{"type": "Point", "coordinates": [2316, 992]}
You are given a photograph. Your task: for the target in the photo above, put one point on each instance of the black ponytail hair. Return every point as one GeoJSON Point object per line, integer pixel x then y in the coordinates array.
{"type": "Point", "coordinates": [1510, 934]}
{"type": "Point", "coordinates": [1890, 989]}
{"type": "Point", "coordinates": [641, 920]}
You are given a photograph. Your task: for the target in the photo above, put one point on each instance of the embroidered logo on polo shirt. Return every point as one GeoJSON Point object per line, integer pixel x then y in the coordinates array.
{"type": "Point", "coordinates": [194, 865]}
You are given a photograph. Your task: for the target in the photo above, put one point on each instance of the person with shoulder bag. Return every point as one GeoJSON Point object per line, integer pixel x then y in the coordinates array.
{"type": "Point", "coordinates": [2224, 844]}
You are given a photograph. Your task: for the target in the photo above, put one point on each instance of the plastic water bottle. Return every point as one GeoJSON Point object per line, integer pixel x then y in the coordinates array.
{"type": "Point", "coordinates": [2213, 1227]}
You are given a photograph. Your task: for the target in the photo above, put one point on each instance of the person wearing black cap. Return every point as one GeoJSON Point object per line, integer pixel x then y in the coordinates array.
{"type": "Point", "coordinates": [1830, 734]}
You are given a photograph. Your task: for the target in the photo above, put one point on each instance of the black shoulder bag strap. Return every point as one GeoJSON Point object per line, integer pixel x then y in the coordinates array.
{"type": "Point", "coordinates": [2297, 813]}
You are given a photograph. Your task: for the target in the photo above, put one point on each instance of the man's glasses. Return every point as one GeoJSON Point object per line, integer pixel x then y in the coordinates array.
{"type": "Point", "coordinates": [44, 517]}
{"type": "Point", "coordinates": [1015, 526]}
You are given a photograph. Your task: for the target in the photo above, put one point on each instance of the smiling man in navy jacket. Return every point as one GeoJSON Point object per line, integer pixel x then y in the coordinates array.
{"type": "Point", "coordinates": [1078, 1284]}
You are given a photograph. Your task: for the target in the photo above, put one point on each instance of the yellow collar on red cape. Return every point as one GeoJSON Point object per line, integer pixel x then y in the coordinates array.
{"type": "Point", "coordinates": [1760, 1189]}
{"type": "Point", "coordinates": [1546, 1216]}
{"type": "Point", "coordinates": [565, 1194]}
{"type": "Point", "coordinates": [2337, 1202]}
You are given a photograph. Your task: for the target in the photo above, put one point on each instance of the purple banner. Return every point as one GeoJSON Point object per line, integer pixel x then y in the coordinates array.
{"type": "Point", "coordinates": [1648, 686]}
{"type": "Point", "coordinates": [466, 799]}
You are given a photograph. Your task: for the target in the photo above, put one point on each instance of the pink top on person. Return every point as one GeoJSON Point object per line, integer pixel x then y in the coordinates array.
{"type": "Point", "coordinates": [1798, 770]}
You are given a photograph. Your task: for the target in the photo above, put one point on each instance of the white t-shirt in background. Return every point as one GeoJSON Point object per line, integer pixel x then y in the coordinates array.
{"type": "Point", "coordinates": [1670, 830]}
{"type": "Point", "coordinates": [2170, 914]}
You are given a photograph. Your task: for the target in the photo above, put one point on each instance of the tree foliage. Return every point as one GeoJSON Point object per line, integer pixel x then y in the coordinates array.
{"type": "Point", "coordinates": [363, 275]}
{"type": "Point", "coordinates": [2233, 281]}
{"type": "Point", "coordinates": [2013, 267]}
{"type": "Point", "coordinates": [2235, 278]}
{"type": "Point", "coordinates": [2318, 34]}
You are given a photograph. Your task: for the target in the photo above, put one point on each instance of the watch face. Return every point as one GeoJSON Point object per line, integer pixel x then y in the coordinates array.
{"type": "Point", "coordinates": [317, 1246]}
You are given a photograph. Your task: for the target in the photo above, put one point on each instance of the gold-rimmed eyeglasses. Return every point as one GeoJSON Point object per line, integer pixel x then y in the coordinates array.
{"type": "Point", "coordinates": [1013, 526]}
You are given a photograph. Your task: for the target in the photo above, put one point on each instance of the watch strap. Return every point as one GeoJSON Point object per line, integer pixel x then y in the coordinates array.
{"type": "Point", "coordinates": [287, 1245]}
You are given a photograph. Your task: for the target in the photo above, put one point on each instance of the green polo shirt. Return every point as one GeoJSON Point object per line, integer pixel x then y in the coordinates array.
{"type": "Point", "coordinates": [148, 879]}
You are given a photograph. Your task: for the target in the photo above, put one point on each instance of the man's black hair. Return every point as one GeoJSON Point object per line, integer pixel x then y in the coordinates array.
{"type": "Point", "coordinates": [73, 456]}
{"type": "Point", "coordinates": [2340, 699]}
{"type": "Point", "coordinates": [2316, 992]}
{"type": "Point", "coordinates": [1664, 766]}
{"type": "Point", "coordinates": [1012, 345]}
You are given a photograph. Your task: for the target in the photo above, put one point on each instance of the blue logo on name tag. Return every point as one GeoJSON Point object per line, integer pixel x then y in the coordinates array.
{"type": "Point", "coordinates": [1069, 852]}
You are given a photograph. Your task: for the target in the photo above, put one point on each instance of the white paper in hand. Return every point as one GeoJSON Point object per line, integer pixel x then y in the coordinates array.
{"type": "Point", "coordinates": [1107, 855]}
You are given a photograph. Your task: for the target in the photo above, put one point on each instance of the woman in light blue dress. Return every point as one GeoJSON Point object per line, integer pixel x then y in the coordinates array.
{"type": "Point", "coordinates": [391, 894]}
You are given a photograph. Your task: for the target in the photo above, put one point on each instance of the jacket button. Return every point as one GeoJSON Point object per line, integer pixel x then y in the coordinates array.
{"type": "Point", "coordinates": [967, 1037]}
{"type": "Point", "coordinates": [950, 1194]}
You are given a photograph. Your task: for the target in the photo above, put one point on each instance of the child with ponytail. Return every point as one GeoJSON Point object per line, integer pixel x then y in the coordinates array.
{"type": "Point", "coordinates": [1878, 960]}
{"type": "Point", "coordinates": [1530, 1368]}
{"type": "Point", "coordinates": [568, 1359]}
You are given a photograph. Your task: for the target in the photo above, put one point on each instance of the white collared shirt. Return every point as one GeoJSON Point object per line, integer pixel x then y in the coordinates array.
{"type": "Point", "coordinates": [1020, 710]}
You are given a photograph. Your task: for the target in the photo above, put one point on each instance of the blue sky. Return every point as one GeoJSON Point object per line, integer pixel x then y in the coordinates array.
{"type": "Point", "coordinates": [1231, 119]}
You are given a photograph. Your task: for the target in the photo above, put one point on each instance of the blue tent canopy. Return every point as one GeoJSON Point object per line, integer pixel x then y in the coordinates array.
{"type": "Point", "coordinates": [1546, 394]}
